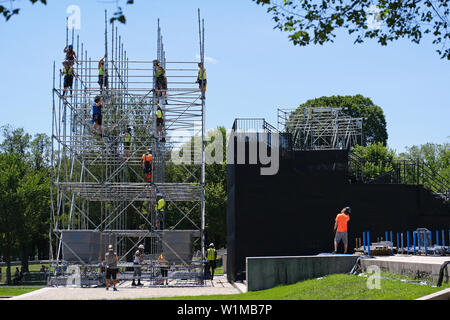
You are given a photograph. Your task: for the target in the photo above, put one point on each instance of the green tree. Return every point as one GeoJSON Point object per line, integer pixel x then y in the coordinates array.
{"type": "Point", "coordinates": [12, 171]}
{"type": "Point", "coordinates": [358, 106]}
{"type": "Point", "coordinates": [317, 22]}
{"type": "Point", "coordinates": [24, 191]}
{"type": "Point", "coordinates": [436, 156]}
{"type": "Point", "coordinates": [373, 161]}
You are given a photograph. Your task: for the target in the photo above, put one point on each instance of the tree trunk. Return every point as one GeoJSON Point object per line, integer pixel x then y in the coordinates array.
{"type": "Point", "coordinates": [24, 258]}
{"type": "Point", "coordinates": [8, 266]}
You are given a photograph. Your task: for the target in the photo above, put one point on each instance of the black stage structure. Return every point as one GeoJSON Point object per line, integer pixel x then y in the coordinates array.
{"type": "Point", "coordinates": [292, 212]}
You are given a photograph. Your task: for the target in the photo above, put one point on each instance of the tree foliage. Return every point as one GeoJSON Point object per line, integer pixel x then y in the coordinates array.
{"type": "Point", "coordinates": [317, 22]}
{"type": "Point", "coordinates": [358, 106]}
{"type": "Point", "coordinates": [436, 156]}
{"type": "Point", "coordinates": [24, 193]}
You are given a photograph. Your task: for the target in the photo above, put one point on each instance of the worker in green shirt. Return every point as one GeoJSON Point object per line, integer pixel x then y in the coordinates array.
{"type": "Point", "coordinates": [160, 123]}
{"type": "Point", "coordinates": [126, 143]}
{"type": "Point", "coordinates": [201, 78]}
{"type": "Point", "coordinates": [211, 256]}
{"type": "Point", "coordinates": [161, 80]}
{"type": "Point", "coordinates": [159, 211]}
{"type": "Point", "coordinates": [68, 77]}
{"type": "Point", "coordinates": [102, 74]}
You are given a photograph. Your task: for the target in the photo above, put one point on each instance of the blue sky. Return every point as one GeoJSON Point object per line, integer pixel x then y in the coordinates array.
{"type": "Point", "coordinates": [255, 69]}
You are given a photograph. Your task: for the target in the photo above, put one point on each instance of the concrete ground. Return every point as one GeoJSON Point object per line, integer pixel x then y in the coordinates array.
{"type": "Point", "coordinates": [426, 267]}
{"type": "Point", "coordinates": [414, 259]}
{"type": "Point", "coordinates": [218, 286]}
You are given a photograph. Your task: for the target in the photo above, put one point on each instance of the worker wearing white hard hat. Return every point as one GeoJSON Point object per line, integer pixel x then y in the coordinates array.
{"type": "Point", "coordinates": [138, 260]}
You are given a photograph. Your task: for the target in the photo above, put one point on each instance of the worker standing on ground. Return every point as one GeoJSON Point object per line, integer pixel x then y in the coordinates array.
{"type": "Point", "coordinates": [138, 260]}
{"type": "Point", "coordinates": [71, 57]}
{"type": "Point", "coordinates": [146, 163]}
{"type": "Point", "coordinates": [211, 256]}
{"type": "Point", "coordinates": [126, 143]}
{"type": "Point", "coordinates": [68, 77]}
{"type": "Point", "coordinates": [97, 115]}
{"type": "Point", "coordinates": [111, 259]}
{"type": "Point", "coordinates": [159, 212]}
{"type": "Point", "coordinates": [340, 227]}
{"type": "Point", "coordinates": [102, 74]}
{"type": "Point", "coordinates": [160, 123]}
{"type": "Point", "coordinates": [201, 78]}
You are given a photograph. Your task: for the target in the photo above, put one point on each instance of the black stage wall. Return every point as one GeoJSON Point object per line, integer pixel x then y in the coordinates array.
{"type": "Point", "coordinates": [292, 213]}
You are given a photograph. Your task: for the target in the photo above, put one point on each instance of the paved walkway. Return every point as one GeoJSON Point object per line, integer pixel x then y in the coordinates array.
{"type": "Point", "coordinates": [220, 285]}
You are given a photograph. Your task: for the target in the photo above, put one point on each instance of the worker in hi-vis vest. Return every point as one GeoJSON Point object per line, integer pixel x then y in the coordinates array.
{"type": "Point", "coordinates": [201, 78]}
{"type": "Point", "coordinates": [160, 123]}
{"type": "Point", "coordinates": [126, 143]}
{"type": "Point", "coordinates": [102, 74]}
{"type": "Point", "coordinates": [211, 256]}
{"type": "Point", "coordinates": [159, 211]}
{"type": "Point", "coordinates": [146, 164]}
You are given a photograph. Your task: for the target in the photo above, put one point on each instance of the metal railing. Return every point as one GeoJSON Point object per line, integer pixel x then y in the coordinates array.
{"type": "Point", "coordinates": [398, 172]}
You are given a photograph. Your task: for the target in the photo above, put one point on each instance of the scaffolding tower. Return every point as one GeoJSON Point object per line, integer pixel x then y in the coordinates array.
{"type": "Point", "coordinates": [100, 195]}
{"type": "Point", "coordinates": [320, 128]}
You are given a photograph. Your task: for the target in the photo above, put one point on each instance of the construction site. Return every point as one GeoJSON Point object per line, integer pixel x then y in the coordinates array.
{"type": "Point", "coordinates": [102, 197]}
{"type": "Point", "coordinates": [128, 179]}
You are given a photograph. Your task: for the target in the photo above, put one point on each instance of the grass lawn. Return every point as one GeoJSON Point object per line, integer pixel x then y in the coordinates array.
{"type": "Point", "coordinates": [332, 287]}
{"type": "Point", "coordinates": [16, 290]}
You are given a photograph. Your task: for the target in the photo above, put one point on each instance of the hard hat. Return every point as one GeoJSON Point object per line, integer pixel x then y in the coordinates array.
{"type": "Point", "coordinates": [211, 244]}
{"type": "Point", "coordinates": [110, 247]}
{"type": "Point", "coordinates": [141, 246]}
{"type": "Point", "coordinates": [70, 46]}
{"type": "Point", "coordinates": [97, 99]}
{"type": "Point", "coordinates": [348, 209]}
{"type": "Point", "coordinates": [159, 194]}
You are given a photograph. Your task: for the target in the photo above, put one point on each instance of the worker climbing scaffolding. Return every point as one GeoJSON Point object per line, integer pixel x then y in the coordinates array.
{"type": "Point", "coordinates": [160, 123]}
{"type": "Point", "coordinates": [161, 80]}
{"type": "Point", "coordinates": [146, 164]}
{"type": "Point", "coordinates": [102, 74]}
{"type": "Point", "coordinates": [71, 56]}
{"type": "Point", "coordinates": [159, 212]}
{"type": "Point", "coordinates": [201, 79]}
{"type": "Point", "coordinates": [69, 74]}
{"type": "Point", "coordinates": [126, 143]}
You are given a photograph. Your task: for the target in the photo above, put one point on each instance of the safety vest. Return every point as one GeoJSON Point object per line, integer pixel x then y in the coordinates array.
{"type": "Point", "coordinates": [127, 137]}
{"type": "Point", "coordinates": [147, 157]}
{"type": "Point", "coordinates": [69, 71]}
{"type": "Point", "coordinates": [201, 74]}
{"type": "Point", "coordinates": [211, 254]}
{"type": "Point", "coordinates": [160, 205]}
{"type": "Point", "coordinates": [159, 71]}
{"type": "Point", "coordinates": [101, 71]}
{"type": "Point", "coordinates": [159, 113]}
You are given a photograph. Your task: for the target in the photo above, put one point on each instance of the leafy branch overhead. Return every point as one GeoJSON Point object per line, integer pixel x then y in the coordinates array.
{"type": "Point", "coordinates": [316, 22]}
{"type": "Point", "coordinates": [9, 11]}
